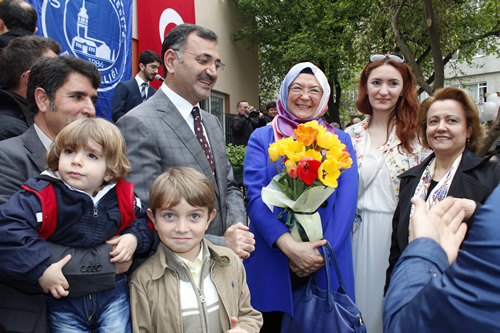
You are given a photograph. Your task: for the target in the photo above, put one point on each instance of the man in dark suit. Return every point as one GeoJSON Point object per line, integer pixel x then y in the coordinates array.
{"type": "Point", "coordinates": [17, 18]}
{"type": "Point", "coordinates": [161, 132]}
{"type": "Point", "coordinates": [15, 63]}
{"type": "Point", "coordinates": [129, 94]}
{"type": "Point", "coordinates": [60, 90]}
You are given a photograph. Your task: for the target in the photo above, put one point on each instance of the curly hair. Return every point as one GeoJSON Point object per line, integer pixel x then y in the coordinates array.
{"type": "Point", "coordinates": [77, 135]}
{"type": "Point", "coordinates": [405, 112]}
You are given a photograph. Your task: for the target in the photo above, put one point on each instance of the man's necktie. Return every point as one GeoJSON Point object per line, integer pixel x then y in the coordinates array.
{"type": "Point", "coordinates": [201, 137]}
{"type": "Point", "coordinates": [143, 91]}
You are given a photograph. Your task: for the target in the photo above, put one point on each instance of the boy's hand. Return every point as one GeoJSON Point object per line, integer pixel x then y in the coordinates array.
{"type": "Point", "coordinates": [53, 280]}
{"type": "Point", "coordinates": [123, 247]}
{"type": "Point", "coordinates": [235, 328]}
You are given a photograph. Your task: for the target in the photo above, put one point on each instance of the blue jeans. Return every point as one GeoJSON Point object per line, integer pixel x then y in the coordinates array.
{"type": "Point", "coordinates": [104, 312]}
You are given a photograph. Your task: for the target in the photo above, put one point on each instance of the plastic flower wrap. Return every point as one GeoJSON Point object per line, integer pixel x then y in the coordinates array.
{"type": "Point", "coordinates": [311, 165]}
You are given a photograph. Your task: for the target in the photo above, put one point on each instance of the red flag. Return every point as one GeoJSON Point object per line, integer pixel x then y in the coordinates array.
{"type": "Point", "coordinates": [156, 18]}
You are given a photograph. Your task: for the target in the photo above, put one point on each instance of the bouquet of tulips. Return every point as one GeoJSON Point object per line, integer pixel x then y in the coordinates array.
{"type": "Point", "coordinates": [311, 165]}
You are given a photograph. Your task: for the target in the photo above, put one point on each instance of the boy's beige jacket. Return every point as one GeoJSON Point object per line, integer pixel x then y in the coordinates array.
{"type": "Point", "coordinates": [155, 297]}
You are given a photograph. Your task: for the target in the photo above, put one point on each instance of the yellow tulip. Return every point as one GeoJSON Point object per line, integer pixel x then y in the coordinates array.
{"type": "Point", "coordinates": [289, 164]}
{"type": "Point", "coordinates": [314, 154]}
{"type": "Point", "coordinates": [328, 173]}
{"type": "Point", "coordinates": [273, 153]}
{"type": "Point", "coordinates": [295, 151]}
{"type": "Point", "coordinates": [344, 160]}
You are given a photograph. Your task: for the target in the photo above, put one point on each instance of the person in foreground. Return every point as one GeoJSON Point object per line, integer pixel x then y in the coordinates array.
{"type": "Point", "coordinates": [189, 284]}
{"type": "Point", "coordinates": [430, 291]}
{"type": "Point", "coordinates": [386, 145]}
{"type": "Point", "coordinates": [448, 123]}
{"type": "Point", "coordinates": [85, 167]}
{"type": "Point", "coordinates": [279, 264]}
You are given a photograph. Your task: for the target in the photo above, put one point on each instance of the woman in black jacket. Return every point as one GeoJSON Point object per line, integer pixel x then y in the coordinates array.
{"type": "Point", "coordinates": [449, 124]}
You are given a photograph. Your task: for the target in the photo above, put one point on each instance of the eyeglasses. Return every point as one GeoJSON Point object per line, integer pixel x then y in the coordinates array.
{"type": "Point", "coordinates": [395, 57]}
{"type": "Point", "coordinates": [204, 59]}
{"type": "Point", "coordinates": [299, 90]}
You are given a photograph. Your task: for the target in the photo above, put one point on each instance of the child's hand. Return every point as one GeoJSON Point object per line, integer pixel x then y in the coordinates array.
{"type": "Point", "coordinates": [235, 328]}
{"type": "Point", "coordinates": [53, 280]}
{"type": "Point", "coordinates": [123, 247]}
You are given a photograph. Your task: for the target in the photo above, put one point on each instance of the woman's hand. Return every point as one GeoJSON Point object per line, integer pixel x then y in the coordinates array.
{"type": "Point", "coordinates": [469, 207]}
{"type": "Point", "coordinates": [303, 257]}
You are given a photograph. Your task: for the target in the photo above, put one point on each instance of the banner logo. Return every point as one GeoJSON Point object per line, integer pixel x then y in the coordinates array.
{"type": "Point", "coordinates": [92, 30]}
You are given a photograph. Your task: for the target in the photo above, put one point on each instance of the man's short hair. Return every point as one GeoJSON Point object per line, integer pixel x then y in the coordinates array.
{"type": "Point", "coordinates": [51, 73]}
{"type": "Point", "coordinates": [18, 14]}
{"type": "Point", "coordinates": [242, 101]}
{"type": "Point", "coordinates": [148, 57]}
{"type": "Point", "coordinates": [176, 39]}
{"type": "Point", "coordinates": [20, 55]}
{"type": "Point", "coordinates": [182, 183]}
{"type": "Point", "coordinates": [270, 105]}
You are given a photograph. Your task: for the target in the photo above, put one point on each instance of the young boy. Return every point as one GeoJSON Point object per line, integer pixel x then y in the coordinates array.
{"type": "Point", "coordinates": [189, 284]}
{"type": "Point", "coordinates": [79, 201]}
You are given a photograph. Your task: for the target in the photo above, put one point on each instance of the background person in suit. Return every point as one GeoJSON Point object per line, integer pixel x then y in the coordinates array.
{"type": "Point", "coordinates": [15, 63]}
{"type": "Point", "coordinates": [17, 18]}
{"type": "Point", "coordinates": [161, 133]}
{"type": "Point", "coordinates": [129, 94]}
{"type": "Point", "coordinates": [60, 90]}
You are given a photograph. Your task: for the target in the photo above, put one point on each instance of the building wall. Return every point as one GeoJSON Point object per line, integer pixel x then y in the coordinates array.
{"type": "Point", "coordinates": [239, 80]}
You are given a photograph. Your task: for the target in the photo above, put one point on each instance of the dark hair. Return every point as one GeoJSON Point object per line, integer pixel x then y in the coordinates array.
{"type": "Point", "coordinates": [470, 110]}
{"type": "Point", "coordinates": [405, 112]}
{"type": "Point", "coordinates": [270, 105]}
{"type": "Point", "coordinates": [148, 57]}
{"type": "Point", "coordinates": [18, 14]}
{"type": "Point", "coordinates": [51, 73]}
{"type": "Point", "coordinates": [19, 56]}
{"type": "Point", "coordinates": [239, 103]}
{"type": "Point", "coordinates": [176, 39]}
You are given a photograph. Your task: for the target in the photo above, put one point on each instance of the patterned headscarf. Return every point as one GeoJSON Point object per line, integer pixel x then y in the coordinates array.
{"type": "Point", "coordinates": [285, 122]}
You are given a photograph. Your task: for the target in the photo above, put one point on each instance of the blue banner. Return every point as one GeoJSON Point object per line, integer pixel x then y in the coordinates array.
{"type": "Point", "coordinates": [99, 31]}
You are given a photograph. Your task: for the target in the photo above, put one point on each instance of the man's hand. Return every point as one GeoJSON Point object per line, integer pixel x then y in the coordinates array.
{"type": "Point", "coordinates": [235, 328]}
{"type": "Point", "coordinates": [53, 280]}
{"type": "Point", "coordinates": [123, 247]}
{"type": "Point", "coordinates": [442, 223]}
{"type": "Point", "coordinates": [240, 240]}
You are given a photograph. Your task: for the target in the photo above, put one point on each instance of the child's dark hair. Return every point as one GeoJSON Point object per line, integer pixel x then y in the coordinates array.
{"type": "Point", "coordinates": [77, 135]}
{"type": "Point", "coordinates": [182, 183]}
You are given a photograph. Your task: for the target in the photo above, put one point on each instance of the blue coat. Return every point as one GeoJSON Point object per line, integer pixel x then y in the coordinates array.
{"type": "Point", "coordinates": [268, 275]}
{"type": "Point", "coordinates": [25, 256]}
{"type": "Point", "coordinates": [127, 96]}
{"type": "Point", "coordinates": [426, 294]}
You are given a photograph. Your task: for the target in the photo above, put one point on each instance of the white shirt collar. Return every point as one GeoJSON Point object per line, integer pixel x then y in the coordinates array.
{"type": "Point", "coordinates": [46, 141]}
{"type": "Point", "coordinates": [140, 81]}
{"type": "Point", "coordinates": [181, 104]}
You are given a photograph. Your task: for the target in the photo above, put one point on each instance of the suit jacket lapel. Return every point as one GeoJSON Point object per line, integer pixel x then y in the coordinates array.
{"type": "Point", "coordinates": [35, 147]}
{"type": "Point", "coordinates": [173, 119]}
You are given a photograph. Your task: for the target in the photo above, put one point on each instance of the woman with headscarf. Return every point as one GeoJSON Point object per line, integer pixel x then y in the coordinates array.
{"type": "Point", "coordinates": [279, 264]}
{"type": "Point", "coordinates": [386, 145]}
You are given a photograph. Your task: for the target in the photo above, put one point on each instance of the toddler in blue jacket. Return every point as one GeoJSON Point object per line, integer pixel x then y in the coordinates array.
{"type": "Point", "coordinates": [79, 201]}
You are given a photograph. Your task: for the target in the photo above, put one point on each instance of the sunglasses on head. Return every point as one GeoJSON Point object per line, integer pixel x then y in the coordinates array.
{"type": "Point", "coordinates": [395, 57]}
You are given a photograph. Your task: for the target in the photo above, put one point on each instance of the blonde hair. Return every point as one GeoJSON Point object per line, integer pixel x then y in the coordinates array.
{"type": "Point", "coordinates": [470, 110]}
{"type": "Point", "coordinates": [77, 135]}
{"type": "Point", "coordinates": [182, 183]}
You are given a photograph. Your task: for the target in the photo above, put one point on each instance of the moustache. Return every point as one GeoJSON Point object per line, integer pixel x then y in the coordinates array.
{"type": "Point", "coordinates": [206, 76]}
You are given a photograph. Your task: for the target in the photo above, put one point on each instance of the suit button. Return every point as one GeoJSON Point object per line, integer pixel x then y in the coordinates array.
{"type": "Point", "coordinates": [99, 268]}
{"type": "Point", "coordinates": [89, 268]}
{"type": "Point", "coordinates": [83, 269]}
{"type": "Point", "coordinates": [94, 269]}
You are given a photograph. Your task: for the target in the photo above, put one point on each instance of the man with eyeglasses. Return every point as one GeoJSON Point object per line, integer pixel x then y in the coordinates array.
{"type": "Point", "coordinates": [171, 130]}
{"type": "Point", "coordinates": [129, 94]}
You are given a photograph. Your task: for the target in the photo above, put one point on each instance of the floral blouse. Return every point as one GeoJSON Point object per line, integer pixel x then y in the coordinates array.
{"type": "Point", "coordinates": [396, 162]}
